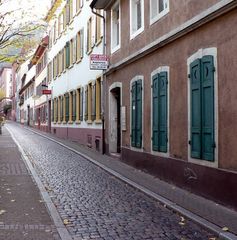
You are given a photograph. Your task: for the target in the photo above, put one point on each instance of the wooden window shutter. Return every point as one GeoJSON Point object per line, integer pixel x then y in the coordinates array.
{"type": "Point", "coordinates": [81, 103]}
{"type": "Point", "coordinates": [67, 107]}
{"type": "Point", "coordinates": [207, 101]}
{"type": "Point", "coordinates": [93, 99]}
{"type": "Point", "coordinates": [133, 113]}
{"type": "Point", "coordinates": [195, 112]}
{"type": "Point", "coordinates": [155, 109]}
{"type": "Point", "coordinates": [74, 104]}
{"type": "Point", "coordinates": [162, 119]}
{"type": "Point", "coordinates": [86, 103]}
{"type": "Point", "coordinates": [139, 114]}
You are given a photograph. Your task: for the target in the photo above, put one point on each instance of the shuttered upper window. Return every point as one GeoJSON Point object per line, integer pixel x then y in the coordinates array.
{"type": "Point", "coordinates": [202, 108]}
{"type": "Point", "coordinates": [115, 27]}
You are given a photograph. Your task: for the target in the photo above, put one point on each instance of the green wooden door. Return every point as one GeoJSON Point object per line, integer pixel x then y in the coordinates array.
{"type": "Point", "coordinates": [133, 117]}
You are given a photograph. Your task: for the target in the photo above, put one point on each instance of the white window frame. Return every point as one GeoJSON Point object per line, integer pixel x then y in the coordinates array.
{"type": "Point", "coordinates": [161, 14]}
{"type": "Point", "coordinates": [199, 54]}
{"type": "Point", "coordinates": [115, 48]}
{"type": "Point", "coordinates": [159, 70]}
{"type": "Point", "coordinates": [133, 33]}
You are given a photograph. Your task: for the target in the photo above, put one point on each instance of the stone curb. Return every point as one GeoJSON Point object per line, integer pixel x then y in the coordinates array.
{"type": "Point", "coordinates": [169, 204]}
{"type": "Point", "coordinates": [62, 231]}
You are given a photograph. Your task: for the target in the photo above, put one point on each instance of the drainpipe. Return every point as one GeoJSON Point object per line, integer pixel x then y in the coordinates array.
{"type": "Point", "coordinates": [104, 80]}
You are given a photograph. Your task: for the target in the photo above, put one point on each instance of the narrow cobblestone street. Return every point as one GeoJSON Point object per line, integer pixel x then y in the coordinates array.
{"type": "Point", "coordinates": [94, 204]}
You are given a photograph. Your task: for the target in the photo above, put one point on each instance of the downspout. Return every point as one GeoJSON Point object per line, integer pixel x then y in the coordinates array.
{"type": "Point", "coordinates": [104, 80]}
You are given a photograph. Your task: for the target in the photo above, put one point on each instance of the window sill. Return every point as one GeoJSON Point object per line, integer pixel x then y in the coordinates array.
{"type": "Point", "coordinates": [70, 122]}
{"type": "Point", "coordinates": [159, 16]}
{"type": "Point", "coordinates": [78, 122]}
{"type": "Point", "coordinates": [78, 12]}
{"type": "Point", "coordinates": [59, 122]}
{"type": "Point", "coordinates": [98, 121]}
{"type": "Point", "coordinates": [98, 42]}
{"type": "Point", "coordinates": [89, 121]}
{"type": "Point", "coordinates": [89, 52]}
{"type": "Point", "coordinates": [70, 66]}
{"type": "Point", "coordinates": [136, 33]}
{"type": "Point", "coordinates": [64, 122]}
{"type": "Point", "coordinates": [79, 60]}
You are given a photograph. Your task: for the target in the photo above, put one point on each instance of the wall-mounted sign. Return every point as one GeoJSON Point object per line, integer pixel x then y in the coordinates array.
{"type": "Point", "coordinates": [99, 62]}
{"type": "Point", "coordinates": [123, 118]}
{"type": "Point", "coordinates": [46, 92]}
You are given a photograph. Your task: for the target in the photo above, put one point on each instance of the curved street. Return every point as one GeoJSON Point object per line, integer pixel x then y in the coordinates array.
{"type": "Point", "coordinates": [96, 205]}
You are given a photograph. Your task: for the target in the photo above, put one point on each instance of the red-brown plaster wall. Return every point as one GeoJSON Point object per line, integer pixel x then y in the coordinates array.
{"type": "Point", "coordinates": [180, 12]}
{"type": "Point", "coordinates": [221, 34]}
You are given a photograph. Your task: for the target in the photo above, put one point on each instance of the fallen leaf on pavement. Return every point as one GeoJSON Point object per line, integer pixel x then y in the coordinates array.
{"type": "Point", "coordinates": [2, 211]}
{"type": "Point", "coordinates": [225, 229]}
{"type": "Point", "coordinates": [66, 222]}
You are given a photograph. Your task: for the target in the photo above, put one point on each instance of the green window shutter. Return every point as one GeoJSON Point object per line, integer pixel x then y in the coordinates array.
{"type": "Point", "coordinates": [139, 114]}
{"type": "Point", "coordinates": [56, 106]}
{"type": "Point", "coordinates": [208, 139]}
{"type": "Point", "coordinates": [93, 102]}
{"type": "Point", "coordinates": [162, 114]}
{"type": "Point", "coordinates": [155, 140]}
{"type": "Point", "coordinates": [67, 54]}
{"type": "Point", "coordinates": [52, 110]}
{"type": "Point", "coordinates": [86, 102]}
{"type": "Point", "coordinates": [81, 104]}
{"type": "Point", "coordinates": [67, 107]}
{"type": "Point", "coordinates": [195, 111]}
{"type": "Point", "coordinates": [62, 108]}
{"type": "Point", "coordinates": [133, 113]}
{"type": "Point", "coordinates": [74, 104]}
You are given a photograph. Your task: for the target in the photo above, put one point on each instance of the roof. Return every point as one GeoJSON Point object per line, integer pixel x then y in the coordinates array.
{"type": "Point", "coordinates": [101, 4]}
{"type": "Point", "coordinates": [40, 50]}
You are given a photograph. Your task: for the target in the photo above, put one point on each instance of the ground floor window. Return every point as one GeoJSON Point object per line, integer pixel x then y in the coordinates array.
{"type": "Point", "coordinates": [159, 112]}
{"type": "Point", "coordinates": [136, 113]}
{"type": "Point", "coordinates": [202, 108]}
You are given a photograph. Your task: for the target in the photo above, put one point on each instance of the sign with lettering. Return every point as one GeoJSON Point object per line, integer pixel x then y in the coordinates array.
{"type": "Point", "coordinates": [99, 62]}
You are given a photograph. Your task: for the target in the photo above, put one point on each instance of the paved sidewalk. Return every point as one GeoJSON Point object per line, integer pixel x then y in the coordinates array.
{"type": "Point", "coordinates": [180, 199]}
{"type": "Point", "coordinates": [23, 214]}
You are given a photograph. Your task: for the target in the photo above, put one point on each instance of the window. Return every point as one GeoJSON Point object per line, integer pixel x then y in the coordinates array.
{"type": "Point", "coordinates": [136, 114]}
{"type": "Point", "coordinates": [78, 5]}
{"type": "Point", "coordinates": [115, 27]}
{"type": "Point", "coordinates": [71, 52]}
{"type": "Point", "coordinates": [79, 45]}
{"type": "Point", "coordinates": [56, 110]}
{"type": "Point", "coordinates": [67, 54]}
{"type": "Point", "coordinates": [89, 102]}
{"type": "Point", "coordinates": [159, 112]}
{"type": "Point", "coordinates": [49, 72]}
{"type": "Point", "coordinates": [78, 105]}
{"type": "Point", "coordinates": [74, 51]}
{"type": "Point", "coordinates": [202, 118]}
{"type": "Point", "coordinates": [66, 97]}
{"type": "Point", "coordinates": [71, 9]}
{"type": "Point", "coordinates": [72, 106]}
{"type": "Point", "coordinates": [98, 99]}
{"type": "Point", "coordinates": [61, 109]}
{"type": "Point", "coordinates": [136, 17]}
{"type": "Point", "coordinates": [158, 8]}
{"type": "Point", "coordinates": [89, 36]}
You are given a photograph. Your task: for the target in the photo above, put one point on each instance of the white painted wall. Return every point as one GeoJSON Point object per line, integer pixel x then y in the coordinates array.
{"type": "Point", "coordinates": [79, 74]}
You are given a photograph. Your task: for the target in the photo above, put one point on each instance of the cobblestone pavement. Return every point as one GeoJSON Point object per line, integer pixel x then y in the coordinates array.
{"type": "Point", "coordinates": [96, 205]}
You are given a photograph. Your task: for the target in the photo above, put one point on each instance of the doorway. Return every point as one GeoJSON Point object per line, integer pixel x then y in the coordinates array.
{"type": "Point", "coordinates": [115, 121]}
{"type": "Point", "coordinates": [49, 116]}
{"type": "Point", "coordinates": [28, 115]}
